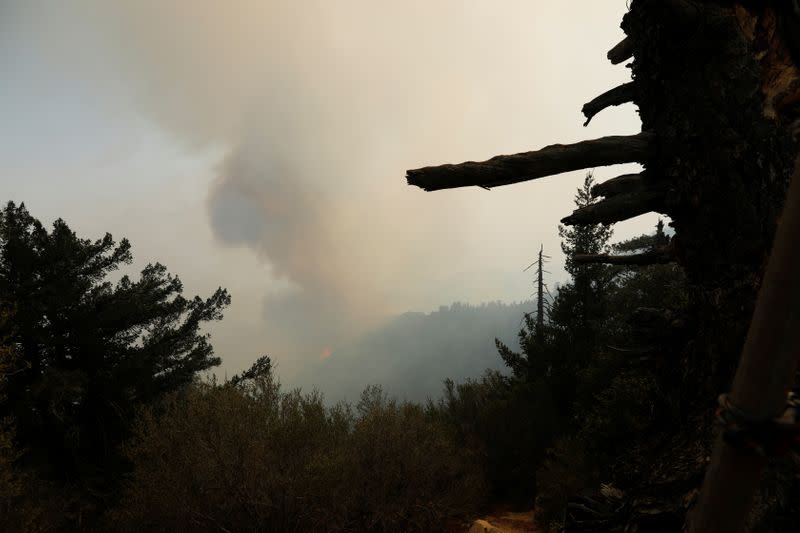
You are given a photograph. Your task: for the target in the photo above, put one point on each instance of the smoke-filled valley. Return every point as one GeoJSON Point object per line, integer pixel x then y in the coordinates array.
{"type": "Point", "coordinates": [412, 355]}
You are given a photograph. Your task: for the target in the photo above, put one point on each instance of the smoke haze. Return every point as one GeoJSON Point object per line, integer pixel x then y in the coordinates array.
{"type": "Point", "coordinates": [316, 108]}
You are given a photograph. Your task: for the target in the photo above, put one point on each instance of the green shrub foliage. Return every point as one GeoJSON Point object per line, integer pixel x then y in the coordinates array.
{"type": "Point", "coordinates": [252, 457]}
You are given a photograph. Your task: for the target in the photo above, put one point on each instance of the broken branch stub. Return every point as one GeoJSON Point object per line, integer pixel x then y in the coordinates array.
{"type": "Point", "coordinates": [621, 52]}
{"type": "Point", "coordinates": [658, 256]}
{"type": "Point", "coordinates": [627, 183]}
{"type": "Point", "coordinates": [617, 208]}
{"type": "Point", "coordinates": [550, 160]}
{"type": "Point", "coordinates": [617, 96]}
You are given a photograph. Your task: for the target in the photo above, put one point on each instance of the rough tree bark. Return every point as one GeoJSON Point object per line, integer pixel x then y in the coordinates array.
{"type": "Point", "coordinates": [617, 96]}
{"type": "Point", "coordinates": [718, 91]}
{"type": "Point", "coordinates": [550, 160]}
{"type": "Point", "coordinates": [715, 81]}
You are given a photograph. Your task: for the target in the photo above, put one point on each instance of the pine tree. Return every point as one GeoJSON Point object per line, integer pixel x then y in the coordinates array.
{"type": "Point", "coordinates": [583, 238]}
{"type": "Point", "coordinates": [581, 304]}
{"type": "Point", "coordinates": [90, 351]}
{"type": "Point", "coordinates": [540, 297]}
{"type": "Point", "coordinates": [8, 453]}
{"type": "Point", "coordinates": [555, 351]}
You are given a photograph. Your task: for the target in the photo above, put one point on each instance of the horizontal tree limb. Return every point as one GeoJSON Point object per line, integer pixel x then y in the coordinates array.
{"type": "Point", "coordinates": [617, 208]}
{"type": "Point", "coordinates": [617, 96]}
{"type": "Point", "coordinates": [621, 52]}
{"type": "Point", "coordinates": [639, 350]}
{"type": "Point", "coordinates": [652, 315]}
{"type": "Point", "coordinates": [550, 160]}
{"type": "Point", "coordinates": [659, 256]}
{"type": "Point", "coordinates": [627, 183]}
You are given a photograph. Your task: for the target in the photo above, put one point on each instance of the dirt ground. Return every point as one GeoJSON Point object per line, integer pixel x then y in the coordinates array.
{"type": "Point", "coordinates": [503, 521]}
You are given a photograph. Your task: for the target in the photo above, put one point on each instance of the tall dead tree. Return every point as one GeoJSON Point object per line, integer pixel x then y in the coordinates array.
{"type": "Point", "coordinates": [717, 86]}
{"type": "Point", "coordinates": [540, 290]}
{"type": "Point", "coordinates": [540, 296]}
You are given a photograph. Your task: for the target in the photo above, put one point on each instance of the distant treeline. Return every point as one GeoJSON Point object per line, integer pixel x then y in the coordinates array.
{"type": "Point", "coordinates": [411, 355]}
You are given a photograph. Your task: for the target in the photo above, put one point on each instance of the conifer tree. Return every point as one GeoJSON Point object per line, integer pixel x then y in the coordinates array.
{"type": "Point", "coordinates": [580, 304]}
{"type": "Point", "coordinates": [90, 350]}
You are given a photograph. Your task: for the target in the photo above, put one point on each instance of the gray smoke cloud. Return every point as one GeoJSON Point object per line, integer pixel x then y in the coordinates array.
{"type": "Point", "coordinates": [318, 107]}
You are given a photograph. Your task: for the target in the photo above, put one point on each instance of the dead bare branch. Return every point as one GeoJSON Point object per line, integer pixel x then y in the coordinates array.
{"type": "Point", "coordinates": [550, 160]}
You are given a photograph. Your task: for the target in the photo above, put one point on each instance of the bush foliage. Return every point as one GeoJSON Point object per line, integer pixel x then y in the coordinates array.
{"type": "Point", "coordinates": [252, 457]}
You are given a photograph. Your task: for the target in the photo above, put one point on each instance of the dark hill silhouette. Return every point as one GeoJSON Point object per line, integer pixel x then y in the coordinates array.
{"type": "Point", "coordinates": [411, 355]}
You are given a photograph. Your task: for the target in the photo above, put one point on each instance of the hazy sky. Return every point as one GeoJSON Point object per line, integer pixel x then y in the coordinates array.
{"type": "Point", "coordinates": [262, 146]}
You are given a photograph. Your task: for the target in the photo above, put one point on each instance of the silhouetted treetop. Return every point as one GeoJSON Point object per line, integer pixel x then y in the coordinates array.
{"type": "Point", "coordinates": [91, 349]}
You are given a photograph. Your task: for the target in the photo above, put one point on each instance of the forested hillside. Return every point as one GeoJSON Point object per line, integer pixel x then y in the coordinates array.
{"type": "Point", "coordinates": [411, 355]}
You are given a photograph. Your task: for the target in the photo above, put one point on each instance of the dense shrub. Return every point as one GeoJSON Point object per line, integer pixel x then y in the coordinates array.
{"type": "Point", "coordinates": [90, 347]}
{"type": "Point", "coordinates": [252, 457]}
{"type": "Point", "coordinates": [506, 424]}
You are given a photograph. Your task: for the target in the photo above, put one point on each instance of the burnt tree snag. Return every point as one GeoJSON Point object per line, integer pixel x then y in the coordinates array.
{"type": "Point", "coordinates": [718, 91]}
{"type": "Point", "coordinates": [712, 81]}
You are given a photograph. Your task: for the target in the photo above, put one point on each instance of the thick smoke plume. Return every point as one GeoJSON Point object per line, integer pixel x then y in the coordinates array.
{"type": "Point", "coordinates": [318, 107]}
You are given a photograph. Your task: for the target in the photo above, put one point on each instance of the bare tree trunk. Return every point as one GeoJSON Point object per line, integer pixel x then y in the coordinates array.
{"type": "Point", "coordinates": [712, 82]}
{"type": "Point", "coordinates": [540, 297]}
